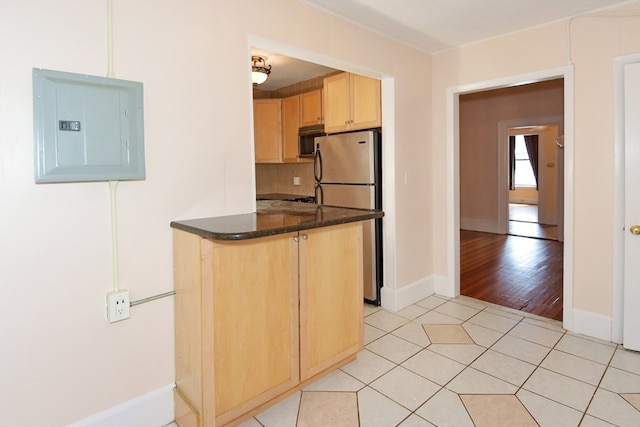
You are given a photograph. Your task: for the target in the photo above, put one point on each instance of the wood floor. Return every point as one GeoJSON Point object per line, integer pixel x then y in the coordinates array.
{"type": "Point", "coordinates": [516, 272]}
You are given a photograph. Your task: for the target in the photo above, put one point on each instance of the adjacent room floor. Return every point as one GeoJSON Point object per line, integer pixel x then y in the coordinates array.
{"type": "Point", "coordinates": [462, 362]}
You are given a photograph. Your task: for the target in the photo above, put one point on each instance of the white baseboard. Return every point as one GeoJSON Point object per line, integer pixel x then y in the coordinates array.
{"type": "Point", "coordinates": [397, 299]}
{"type": "Point", "coordinates": [442, 287]}
{"type": "Point", "coordinates": [592, 324]}
{"type": "Point", "coordinates": [152, 409]}
{"type": "Point", "coordinates": [484, 225]}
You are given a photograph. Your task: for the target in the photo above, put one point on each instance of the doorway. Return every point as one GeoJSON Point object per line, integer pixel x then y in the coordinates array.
{"type": "Point", "coordinates": [535, 178]}
{"type": "Point", "coordinates": [518, 273]}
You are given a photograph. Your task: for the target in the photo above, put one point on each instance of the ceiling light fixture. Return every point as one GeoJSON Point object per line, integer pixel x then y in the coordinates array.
{"type": "Point", "coordinates": [259, 69]}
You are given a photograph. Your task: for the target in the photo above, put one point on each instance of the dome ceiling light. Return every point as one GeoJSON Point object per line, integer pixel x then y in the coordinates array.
{"type": "Point", "coordinates": [259, 69]}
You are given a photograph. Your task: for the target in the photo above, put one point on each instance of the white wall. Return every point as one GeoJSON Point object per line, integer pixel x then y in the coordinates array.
{"type": "Point", "coordinates": [61, 361]}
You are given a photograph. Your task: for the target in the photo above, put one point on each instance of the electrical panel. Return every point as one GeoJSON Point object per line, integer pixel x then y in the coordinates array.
{"type": "Point", "coordinates": [87, 128]}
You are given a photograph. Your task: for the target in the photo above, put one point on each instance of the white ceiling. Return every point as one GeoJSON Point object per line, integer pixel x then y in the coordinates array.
{"type": "Point", "coordinates": [286, 71]}
{"type": "Point", "coordinates": [433, 25]}
{"type": "Point", "coordinates": [436, 25]}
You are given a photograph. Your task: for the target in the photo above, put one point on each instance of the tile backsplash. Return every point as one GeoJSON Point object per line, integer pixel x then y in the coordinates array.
{"type": "Point", "coordinates": [278, 178]}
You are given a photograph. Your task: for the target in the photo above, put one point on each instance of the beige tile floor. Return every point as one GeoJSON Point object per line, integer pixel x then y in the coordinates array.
{"type": "Point", "coordinates": [462, 362]}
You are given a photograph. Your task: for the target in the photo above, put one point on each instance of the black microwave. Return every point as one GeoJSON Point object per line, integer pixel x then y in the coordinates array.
{"type": "Point", "coordinates": [306, 137]}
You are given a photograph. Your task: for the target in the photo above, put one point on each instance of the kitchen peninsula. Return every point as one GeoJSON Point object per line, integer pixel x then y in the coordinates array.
{"type": "Point", "coordinates": [266, 303]}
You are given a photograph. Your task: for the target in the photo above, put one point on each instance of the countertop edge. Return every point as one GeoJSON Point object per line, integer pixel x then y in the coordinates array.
{"type": "Point", "coordinates": [246, 235]}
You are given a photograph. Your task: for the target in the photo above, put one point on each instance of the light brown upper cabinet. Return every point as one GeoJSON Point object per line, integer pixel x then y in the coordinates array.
{"type": "Point", "coordinates": [276, 122]}
{"type": "Point", "coordinates": [267, 130]}
{"type": "Point", "coordinates": [290, 127]}
{"type": "Point", "coordinates": [311, 108]}
{"type": "Point", "coordinates": [351, 102]}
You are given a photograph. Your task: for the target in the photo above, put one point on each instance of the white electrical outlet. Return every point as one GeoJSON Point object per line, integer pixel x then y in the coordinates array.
{"type": "Point", "coordinates": [118, 305]}
{"type": "Point", "coordinates": [296, 180]}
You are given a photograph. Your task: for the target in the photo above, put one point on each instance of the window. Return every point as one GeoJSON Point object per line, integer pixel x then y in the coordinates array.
{"type": "Point", "coordinates": [524, 176]}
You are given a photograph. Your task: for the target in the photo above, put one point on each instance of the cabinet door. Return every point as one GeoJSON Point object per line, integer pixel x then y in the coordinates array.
{"type": "Point", "coordinates": [365, 102]}
{"type": "Point", "coordinates": [267, 130]}
{"type": "Point", "coordinates": [311, 108]}
{"type": "Point", "coordinates": [255, 322]}
{"type": "Point", "coordinates": [336, 103]}
{"type": "Point", "coordinates": [290, 128]}
{"type": "Point", "coordinates": [331, 323]}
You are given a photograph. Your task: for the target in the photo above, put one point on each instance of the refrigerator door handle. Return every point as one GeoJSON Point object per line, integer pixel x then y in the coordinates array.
{"type": "Point", "coordinates": [317, 165]}
{"type": "Point", "coordinates": [319, 194]}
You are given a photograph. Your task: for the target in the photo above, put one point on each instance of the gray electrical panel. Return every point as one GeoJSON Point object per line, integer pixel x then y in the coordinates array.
{"type": "Point", "coordinates": [87, 128]}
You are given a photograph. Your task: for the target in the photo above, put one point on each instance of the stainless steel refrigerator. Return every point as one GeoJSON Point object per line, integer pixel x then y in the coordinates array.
{"type": "Point", "coordinates": [347, 168]}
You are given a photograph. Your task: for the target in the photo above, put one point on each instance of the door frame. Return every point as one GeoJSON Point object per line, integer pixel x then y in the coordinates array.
{"type": "Point", "coordinates": [617, 320]}
{"type": "Point", "coordinates": [503, 161]}
{"type": "Point", "coordinates": [387, 93]}
{"type": "Point", "coordinates": [451, 287]}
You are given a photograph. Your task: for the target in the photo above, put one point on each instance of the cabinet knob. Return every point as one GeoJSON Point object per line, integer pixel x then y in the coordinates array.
{"type": "Point", "coordinates": [305, 237]}
{"type": "Point", "coordinates": [295, 238]}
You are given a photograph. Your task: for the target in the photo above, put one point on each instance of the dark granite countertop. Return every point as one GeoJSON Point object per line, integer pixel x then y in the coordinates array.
{"type": "Point", "coordinates": [273, 217]}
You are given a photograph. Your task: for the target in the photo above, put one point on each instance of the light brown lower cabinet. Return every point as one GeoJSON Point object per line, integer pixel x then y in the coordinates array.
{"type": "Point", "coordinates": [260, 318]}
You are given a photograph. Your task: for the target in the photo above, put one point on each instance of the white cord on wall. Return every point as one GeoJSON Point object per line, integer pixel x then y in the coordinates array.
{"type": "Point", "coordinates": [121, 297]}
{"type": "Point", "coordinates": [110, 72]}
{"type": "Point", "coordinates": [113, 185]}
